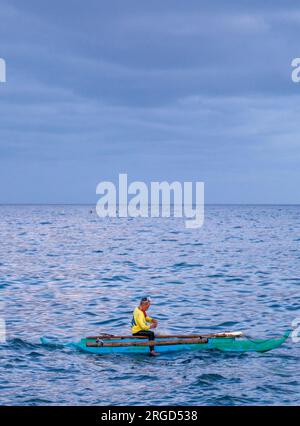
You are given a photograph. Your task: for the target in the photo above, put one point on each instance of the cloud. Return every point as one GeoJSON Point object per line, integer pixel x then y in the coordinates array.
{"type": "Point", "coordinates": [161, 91]}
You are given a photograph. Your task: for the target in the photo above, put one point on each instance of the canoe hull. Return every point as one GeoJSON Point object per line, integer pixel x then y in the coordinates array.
{"type": "Point", "coordinates": [221, 344]}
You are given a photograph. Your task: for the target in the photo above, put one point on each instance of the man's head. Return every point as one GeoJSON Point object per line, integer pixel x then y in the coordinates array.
{"type": "Point", "coordinates": [145, 303]}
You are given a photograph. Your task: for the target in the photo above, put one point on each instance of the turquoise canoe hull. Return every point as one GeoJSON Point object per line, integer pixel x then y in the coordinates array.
{"type": "Point", "coordinates": [222, 344]}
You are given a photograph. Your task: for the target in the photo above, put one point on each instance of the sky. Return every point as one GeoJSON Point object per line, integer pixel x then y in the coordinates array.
{"type": "Point", "coordinates": [160, 90]}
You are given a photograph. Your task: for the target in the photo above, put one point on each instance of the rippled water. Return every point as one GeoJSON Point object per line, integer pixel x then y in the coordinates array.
{"type": "Point", "coordinates": [66, 273]}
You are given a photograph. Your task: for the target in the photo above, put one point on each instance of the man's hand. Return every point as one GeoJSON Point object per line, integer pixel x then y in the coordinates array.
{"type": "Point", "coordinates": [154, 323]}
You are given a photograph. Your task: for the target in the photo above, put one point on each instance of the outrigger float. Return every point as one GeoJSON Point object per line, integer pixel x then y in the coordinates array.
{"type": "Point", "coordinates": [227, 341]}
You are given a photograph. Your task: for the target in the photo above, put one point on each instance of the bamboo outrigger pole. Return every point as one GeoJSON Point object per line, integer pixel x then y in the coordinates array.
{"type": "Point", "coordinates": [150, 343]}
{"type": "Point", "coordinates": [169, 336]}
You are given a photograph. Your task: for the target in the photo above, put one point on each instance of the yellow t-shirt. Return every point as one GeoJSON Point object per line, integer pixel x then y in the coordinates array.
{"type": "Point", "coordinates": [139, 321]}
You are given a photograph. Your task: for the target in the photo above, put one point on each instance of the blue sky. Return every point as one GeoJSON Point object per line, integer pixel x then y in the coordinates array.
{"type": "Point", "coordinates": [162, 90]}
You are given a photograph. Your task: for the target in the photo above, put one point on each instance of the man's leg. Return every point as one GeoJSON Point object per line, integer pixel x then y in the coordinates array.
{"type": "Point", "coordinates": [147, 333]}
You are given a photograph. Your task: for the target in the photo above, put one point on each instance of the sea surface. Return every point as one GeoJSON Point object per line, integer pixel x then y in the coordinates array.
{"type": "Point", "coordinates": [65, 273]}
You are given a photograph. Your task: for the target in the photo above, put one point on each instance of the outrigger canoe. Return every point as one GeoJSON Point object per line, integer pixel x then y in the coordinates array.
{"type": "Point", "coordinates": [228, 342]}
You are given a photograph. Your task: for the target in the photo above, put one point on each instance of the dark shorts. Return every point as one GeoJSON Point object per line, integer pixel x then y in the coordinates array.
{"type": "Point", "coordinates": [147, 333]}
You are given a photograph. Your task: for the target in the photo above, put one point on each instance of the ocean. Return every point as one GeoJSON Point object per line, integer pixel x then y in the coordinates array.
{"type": "Point", "coordinates": [65, 273]}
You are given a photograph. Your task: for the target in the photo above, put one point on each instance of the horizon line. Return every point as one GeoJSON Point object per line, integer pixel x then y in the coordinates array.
{"type": "Point", "coordinates": [94, 204]}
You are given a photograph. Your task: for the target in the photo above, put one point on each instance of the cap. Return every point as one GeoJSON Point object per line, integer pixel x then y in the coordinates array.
{"type": "Point", "coordinates": [145, 299]}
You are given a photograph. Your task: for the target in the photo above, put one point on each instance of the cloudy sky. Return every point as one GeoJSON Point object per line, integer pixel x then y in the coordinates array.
{"type": "Point", "coordinates": [162, 90]}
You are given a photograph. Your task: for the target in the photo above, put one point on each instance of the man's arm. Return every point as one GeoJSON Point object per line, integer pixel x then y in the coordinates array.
{"type": "Point", "coordinates": [140, 321]}
{"type": "Point", "coordinates": [153, 321]}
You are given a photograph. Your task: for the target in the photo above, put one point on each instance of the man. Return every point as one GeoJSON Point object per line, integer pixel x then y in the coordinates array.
{"type": "Point", "coordinates": [139, 326]}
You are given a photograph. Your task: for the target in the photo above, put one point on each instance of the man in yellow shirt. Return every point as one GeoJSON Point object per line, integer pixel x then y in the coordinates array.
{"type": "Point", "coordinates": [139, 326]}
